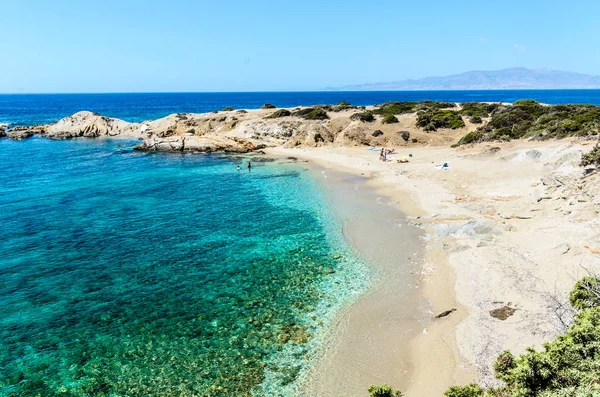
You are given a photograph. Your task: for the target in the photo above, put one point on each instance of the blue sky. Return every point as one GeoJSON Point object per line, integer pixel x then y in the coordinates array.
{"type": "Point", "coordinates": [176, 45]}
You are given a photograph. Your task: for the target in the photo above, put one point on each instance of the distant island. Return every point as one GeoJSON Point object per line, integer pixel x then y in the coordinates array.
{"type": "Point", "coordinates": [504, 79]}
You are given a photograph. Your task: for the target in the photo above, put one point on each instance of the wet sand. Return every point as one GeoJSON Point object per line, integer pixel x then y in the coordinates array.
{"type": "Point", "coordinates": [369, 344]}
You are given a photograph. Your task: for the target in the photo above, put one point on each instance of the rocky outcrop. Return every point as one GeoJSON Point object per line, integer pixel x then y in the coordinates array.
{"type": "Point", "coordinates": [2, 131]}
{"type": "Point", "coordinates": [180, 143]}
{"type": "Point", "coordinates": [91, 125]}
{"type": "Point", "coordinates": [236, 131]}
{"type": "Point", "coordinates": [21, 132]}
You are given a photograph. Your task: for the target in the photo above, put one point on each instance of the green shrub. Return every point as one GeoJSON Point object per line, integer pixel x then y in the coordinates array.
{"type": "Point", "coordinates": [410, 107]}
{"type": "Point", "coordinates": [366, 116]}
{"type": "Point", "coordinates": [585, 294]}
{"type": "Point", "coordinates": [504, 364]}
{"type": "Point", "coordinates": [268, 106]}
{"type": "Point", "coordinates": [475, 120]}
{"type": "Point", "coordinates": [432, 120]}
{"type": "Point", "coordinates": [389, 119]}
{"type": "Point", "coordinates": [279, 113]}
{"type": "Point", "coordinates": [228, 109]}
{"type": "Point", "coordinates": [479, 109]}
{"type": "Point", "coordinates": [591, 158]}
{"type": "Point", "coordinates": [472, 390]}
{"type": "Point", "coordinates": [314, 113]}
{"type": "Point", "coordinates": [530, 119]}
{"type": "Point", "coordinates": [383, 391]}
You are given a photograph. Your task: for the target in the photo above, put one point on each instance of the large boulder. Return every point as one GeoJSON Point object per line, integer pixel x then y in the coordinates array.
{"type": "Point", "coordinates": [90, 124]}
{"type": "Point", "coordinates": [2, 131]}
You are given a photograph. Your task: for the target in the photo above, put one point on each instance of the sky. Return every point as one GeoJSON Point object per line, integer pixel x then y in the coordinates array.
{"type": "Point", "coordinates": [201, 46]}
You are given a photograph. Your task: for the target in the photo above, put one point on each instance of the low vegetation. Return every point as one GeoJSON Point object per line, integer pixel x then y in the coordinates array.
{"type": "Point", "coordinates": [478, 109]}
{"type": "Point", "coordinates": [366, 116]}
{"type": "Point", "coordinates": [227, 109]}
{"type": "Point", "coordinates": [389, 119]}
{"type": "Point", "coordinates": [567, 366]}
{"type": "Point", "coordinates": [395, 108]}
{"type": "Point", "coordinates": [431, 120]}
{"type": "Point", "coordinates": [591, 158]}
{"type": "Point", "coordinates": [383, 391]}
{"type": "Point", "coordinates": [530, 119]}
{"type": "Point", "coordinates": [268, 106]}
{"type": "Point", "coordinates": [314, 113]}
{"type": "Point", "coordinates": [279, 113]}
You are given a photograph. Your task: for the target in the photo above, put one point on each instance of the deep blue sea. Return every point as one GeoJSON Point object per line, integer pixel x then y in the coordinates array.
{"type": "Point", "coordinates": [134, 274]}
{"type": "Point", "coordinates": [27, 109]}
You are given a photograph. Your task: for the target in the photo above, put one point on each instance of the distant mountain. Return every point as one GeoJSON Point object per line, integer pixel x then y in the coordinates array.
{"type": "Point", "coordinates": [511, 78]}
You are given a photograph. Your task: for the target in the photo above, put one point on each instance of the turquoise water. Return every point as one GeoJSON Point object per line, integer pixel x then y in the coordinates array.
{"type": "Point", "coordinates": [134, 274]}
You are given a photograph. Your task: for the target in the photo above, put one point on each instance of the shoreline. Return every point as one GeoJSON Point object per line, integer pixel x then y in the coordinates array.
{"type": "Point", "coordinates": [369, 353]}
{"type": "Point", "coordinates": [496, 229]}
{"type": "Point", "coordinates": [416, 343]}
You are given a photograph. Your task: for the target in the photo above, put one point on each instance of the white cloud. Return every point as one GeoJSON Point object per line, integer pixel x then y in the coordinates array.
{"type": "Point", "coordinates": [520, 47]}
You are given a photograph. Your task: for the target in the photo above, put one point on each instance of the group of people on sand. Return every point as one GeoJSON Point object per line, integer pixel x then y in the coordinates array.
{"type": "Point", "coordinates": [384, 153]}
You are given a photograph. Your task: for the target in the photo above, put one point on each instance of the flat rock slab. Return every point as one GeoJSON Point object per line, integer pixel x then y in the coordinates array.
{"type": "Point", "coordinates": [502, 313]}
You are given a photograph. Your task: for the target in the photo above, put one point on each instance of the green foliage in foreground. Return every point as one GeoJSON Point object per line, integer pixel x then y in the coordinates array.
{"type": "Point", "coordinates": [591, 158]}
{"type": "Point", "coordinates": [228, 109]}
{"type": "Point", "coordinates": [567, 366]}
{"type": "Point", "coordinates": [411, 107]}
{"type": "Point", "coordinates": [383, 391]}
{"type": "Point", "coordinates": [314, 113]}
{"type": "Point", "coordinates": [530, 119]}
{"type": "Point", "coordinates": [585, 294]}
{"type": "Point", "coordinates": [389, 119]}
{"type": "Point", "coordinates": [432, 120]}
{"type": "Point", "coordinates": [472, 390]}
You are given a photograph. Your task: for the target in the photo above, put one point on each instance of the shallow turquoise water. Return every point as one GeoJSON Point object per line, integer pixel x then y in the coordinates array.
{"type": "Point", "coordinates": [133, 274]}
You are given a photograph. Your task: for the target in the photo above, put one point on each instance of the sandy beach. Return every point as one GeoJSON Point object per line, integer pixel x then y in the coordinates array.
{"type": "Point", "coordinates": [506, 226]}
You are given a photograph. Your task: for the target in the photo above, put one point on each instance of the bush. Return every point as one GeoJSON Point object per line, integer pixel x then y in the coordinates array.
{"type": "Point", "coordinates": [279, 113]}
{"type": "Point", "coordinates": [383, 391]}
{"type": "Point", "coordinates": [268, 106]}
{"type": "Point", "coordinates": [472, 390]}
{"type": "Point", "coordinates": [591, 158]}
{"type": "Point", "coordinates": [404, 134]}
{"type": "Point", "coordinates": [475, 120]}
{"type": "Point", "coordinates": [432, 120]}
{"type": "Point", "coordinates": [531, 119]}
{"type": "Point", "coordinates": [504, 364]}
{"type": "Point", "coordinates": [228, 109]}
{"type": "Point", "coordinates": [389, 119]}
{"type": "Point", "coordinates": [478, 109]}
{"type": "Point", "coordinates": [377, 133]}
{"type": "Point", "coordinates": [585, 294]}
{"type": "Point", "coordinates": [411, 107]}
{"type": "Point", "coordinates": [366, 116]}
{"type": "Point", "coordinates": [314, 113]}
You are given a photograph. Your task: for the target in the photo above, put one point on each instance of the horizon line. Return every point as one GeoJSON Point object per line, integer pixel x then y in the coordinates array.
{"type": "Point", "coordinates": [293, 91]}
